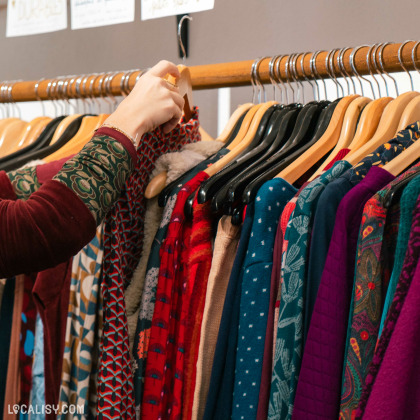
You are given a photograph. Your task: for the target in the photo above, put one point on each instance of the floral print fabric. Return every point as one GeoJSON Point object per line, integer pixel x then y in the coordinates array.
{"type": "Point", "coordinates": [288, 351]}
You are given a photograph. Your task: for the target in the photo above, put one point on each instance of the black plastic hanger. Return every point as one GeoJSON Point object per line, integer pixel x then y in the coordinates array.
{"type": "Point", "coordinates": [304, 129]}
{"type": "Point", "coordinates": [209, 187]}
{"type": "Point", "coordinates": [167, 191]}
{"type": "Point", "coordinates": [68, 134]}
{"type": "Point", "coordinates": [395, 193]}
{"type": "Point", "coordinates": [212, 188]}
{"type": "Point", "coordinates": [232, 191]}
{"type": "Point", "coordinates": [222, 178]}
{"type": "Point", "coordinates": [42, 141]}
{"type": "Point", "coordinates": [272, 170]}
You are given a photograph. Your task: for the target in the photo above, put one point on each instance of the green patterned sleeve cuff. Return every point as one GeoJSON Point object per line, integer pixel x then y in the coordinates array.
{"type": "Point", "coordinates": [98, 174]}
{"type": "Point", "coordinates": [24, 182]}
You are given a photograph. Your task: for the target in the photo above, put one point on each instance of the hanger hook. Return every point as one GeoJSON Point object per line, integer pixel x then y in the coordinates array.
{"type": "Point", "coordinates": [286, 68]}
{"type": "Point", "coordinates": [38, 97]}
{"type": "Point", "coordinates": [253, 81]}
{"type": "Point", "coordinates": [313, 75]}
{"type": "Point", "coordinates": [311, 83]}
{"type": "Point", "coordinates": [13, 101]}
{"type": "Point", "coordinates": [315, 71]}
{"type": "Point", "coordinates": [340, 68]}
{"type": "Point", "coordinates": [279, 78]}
{"type": "Point", "coordinates": [296, 77]}
{"type": "Point", "coordinates": [375, 63]}
{"type": "Point", "coordinates": [381, 63]}
{"type": "Point", "coordinates": [368, 59]}
{"type": "Point", "coordinates": [68, 86]}
{"type": "Point", "coordinates": [329, 65]}
{"type": "Point", "coordinates": [414, 55]}
{"type": "Point", "coordinates": [272, 78]}
{"type": "Point", "coordinates": [343, 67]}
{"type": "Point", "coordinates": [333, 71]}
{"type": "Point", "coordinates": [50, 96]}
{"type": "Point", "coordinates": [181, 44]}
{"type": "Point", "coordinates": [56, 97]}
{"type": "Point", "coordinates": [258, 78]}
{"type": "Point", "coordinates": [359, 76]}
{"type": "Point", "coordinates": [92, 93]}
{"type": "Point", "coordinates": [85, 95]}
{"type": "Point", "coordinates": [402, 63]}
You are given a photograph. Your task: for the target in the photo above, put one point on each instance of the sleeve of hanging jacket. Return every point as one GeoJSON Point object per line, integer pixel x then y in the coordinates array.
{"type": "Point", "coordinates": [56, 221]}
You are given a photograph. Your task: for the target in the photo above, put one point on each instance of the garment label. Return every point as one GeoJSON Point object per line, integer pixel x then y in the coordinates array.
{"type": "Point", "coordinates": [93, 13]}
{"type": "Point", "coordinates": [29, 17]}
{"type": "Point", "coordinates": [151, 9]}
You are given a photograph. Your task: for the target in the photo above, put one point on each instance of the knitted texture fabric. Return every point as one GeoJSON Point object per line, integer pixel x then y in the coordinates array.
{"type": "Point", "coordinates": [225, 246]}
{"type": "Point", "coordinates": [123, 237]}
{"type": "Point", "coordinates": [163, 381]}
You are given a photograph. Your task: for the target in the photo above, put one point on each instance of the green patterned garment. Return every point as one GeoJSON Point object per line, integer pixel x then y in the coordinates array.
{"type": "Point", "coordinates": [97, 174]}
{"type": "Point", "coordinates": [24, 181]}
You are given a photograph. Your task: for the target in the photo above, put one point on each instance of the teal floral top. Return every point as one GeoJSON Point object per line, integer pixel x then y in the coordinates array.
{"type": "Point", "coordinates": [289, 342]}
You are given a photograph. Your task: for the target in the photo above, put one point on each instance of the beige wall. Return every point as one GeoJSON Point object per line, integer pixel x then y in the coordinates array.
{"type": "Point", "coordinates": [234, 30]}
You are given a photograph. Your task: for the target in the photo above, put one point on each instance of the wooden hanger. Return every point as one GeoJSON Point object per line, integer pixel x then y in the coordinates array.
{"type": "Point", "coordinates": [32, 131]}
{"type": "Point", "coordinates": [230, 126]}
{"type": "Point", "coordinates": [387, 127]}
{"type": "Point", "coordinates": [244, 143]}
{"type": "Point", "coordinates": [245, 126]}
{"type": "Point", "coordinates": [347, 131]}
{"type": "Point", "coordinates": [83, 135]}
{"type": "Point", "coordinates": [11, 132]}
{"type": "Point", "coordinates": [5, 122]}
{"type": "Point", "coordinates": [410, 115]}
{"type": "Point", "coordinates": [185, 88]}
{"type": "Point", "coordinates": [369, 121]}
{"type": "Point", "coordinates": [158, 183]}
{"type": "Point", "coordinates": [327, 142]}
{"type": "Point", "coordinates": [63, 126]}
{"type": "Point", "coordinates": [404, 160]}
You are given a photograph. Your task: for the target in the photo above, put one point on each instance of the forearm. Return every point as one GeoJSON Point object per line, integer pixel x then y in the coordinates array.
{"type": "Point", "coordinates": [98, 173]}
{"type": "Point", "coordinates": [61, 217]}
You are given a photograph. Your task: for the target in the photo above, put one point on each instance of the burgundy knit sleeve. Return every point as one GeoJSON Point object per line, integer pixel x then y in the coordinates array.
{"type": "Point", "coordinates": [61, 217]}
{"type": "Point", "coordinates": [47, 229]}
{"type": "Point", "coordinates": [6, 188]}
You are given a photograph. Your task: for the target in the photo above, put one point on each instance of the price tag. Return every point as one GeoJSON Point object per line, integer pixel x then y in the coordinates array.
{"type": "Point", "coordinates": [151, 9]}
{"type": "Point", "coordinates": [29, 17]}
{"type": "Point", "coordinates": [93, 13]}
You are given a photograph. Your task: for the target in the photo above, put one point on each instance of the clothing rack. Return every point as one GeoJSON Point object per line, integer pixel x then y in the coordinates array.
{"type": "Point", "coordinates": [220, 75]}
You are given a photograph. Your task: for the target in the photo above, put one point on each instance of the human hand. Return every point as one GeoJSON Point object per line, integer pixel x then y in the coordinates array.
{"type": "Point", "coordinates": [152, 102]}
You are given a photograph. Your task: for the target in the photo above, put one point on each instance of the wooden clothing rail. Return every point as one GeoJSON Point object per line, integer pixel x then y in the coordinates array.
{"type": "Point", "coordinates": [213, 75]}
